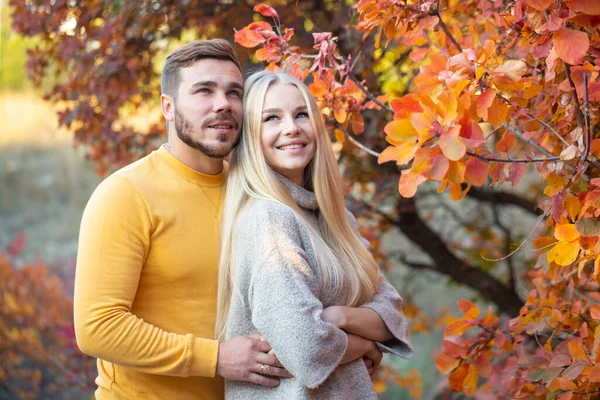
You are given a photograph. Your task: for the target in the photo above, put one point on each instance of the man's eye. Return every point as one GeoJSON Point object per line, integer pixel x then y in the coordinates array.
{"type": "Point", "coordinates": [203, 90]}
{"type": "Point", "coordinates": [235, 93]}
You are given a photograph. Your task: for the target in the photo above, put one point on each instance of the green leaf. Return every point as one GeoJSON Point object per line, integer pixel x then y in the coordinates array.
{"type": "Point", "coordinates": [588, 227]}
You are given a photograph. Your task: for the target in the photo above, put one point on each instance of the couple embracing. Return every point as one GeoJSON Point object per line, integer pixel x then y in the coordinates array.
{"type": "Point", "coordinates": [198, 279]}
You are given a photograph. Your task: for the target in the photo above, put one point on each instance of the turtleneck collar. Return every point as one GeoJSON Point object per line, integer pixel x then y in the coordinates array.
{"type": "Point", "coordinates": [303, 197]}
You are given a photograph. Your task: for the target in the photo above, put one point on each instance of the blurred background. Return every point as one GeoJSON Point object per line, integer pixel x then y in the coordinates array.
{"type": "Point", "coordinates": [46, 180]}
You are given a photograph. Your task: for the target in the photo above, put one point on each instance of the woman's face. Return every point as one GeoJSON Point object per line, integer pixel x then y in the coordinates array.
{"type": "Point", "coordinates": [287, 135]}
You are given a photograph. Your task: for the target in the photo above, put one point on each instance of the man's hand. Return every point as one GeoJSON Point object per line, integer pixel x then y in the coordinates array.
{"type": "Point", "coordinates": [247, 358]}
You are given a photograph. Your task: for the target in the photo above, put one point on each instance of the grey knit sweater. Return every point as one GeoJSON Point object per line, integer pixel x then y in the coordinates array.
{"type": "Point", "coordinates": [278, 293]}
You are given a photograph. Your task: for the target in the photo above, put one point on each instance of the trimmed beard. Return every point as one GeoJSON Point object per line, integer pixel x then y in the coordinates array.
{"type": "Point", "coordinates": [183, 127]}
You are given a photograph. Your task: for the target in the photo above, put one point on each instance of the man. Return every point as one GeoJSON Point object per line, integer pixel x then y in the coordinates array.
{"type": "Point", "coordinates": [146, 279]}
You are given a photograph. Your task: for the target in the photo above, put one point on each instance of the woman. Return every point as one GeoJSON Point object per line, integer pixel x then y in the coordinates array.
{"type": "Point", "coordinates": [292, 266]}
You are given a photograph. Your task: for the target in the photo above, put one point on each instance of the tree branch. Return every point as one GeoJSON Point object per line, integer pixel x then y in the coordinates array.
{"type": "Point", "coordinates": [369, 95]}
{"type": "Point", "coordinates": [445, 262]}
{"type": "Point", "coordinates": [503, 198]}
{"type": "Point", "coordinates": [507, 243]}
{"type": "Point", "coordinates": [436, 12]}
{"type": "Point", "coordinates": [513, 160]}
{"type": "Point", "coordinates": [578, 113]}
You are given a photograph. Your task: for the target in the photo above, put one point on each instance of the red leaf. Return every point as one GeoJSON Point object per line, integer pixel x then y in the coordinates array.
{"type": "Point", "coordinates": [476, 171]}
{"type": "Point", "coordinates": [515, 173]}
{"type": "Point", "coordinates": [248, 38]}
{"type": "Point", "coordinates": [17, 246]}
{"type": "Point", "coordinates": [266, 11]}
{"type": "Point", "coordinates": [571, 45]}
{"type": "Point", "coordinates": [540, 4]}
{"type": "Point", "coordinates": [589, 7]}
{"type": "Point", "coordinates": [506, 143]}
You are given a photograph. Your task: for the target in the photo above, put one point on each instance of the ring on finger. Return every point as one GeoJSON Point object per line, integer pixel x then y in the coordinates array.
{"type": "Point", "coordinates": [262, 368]}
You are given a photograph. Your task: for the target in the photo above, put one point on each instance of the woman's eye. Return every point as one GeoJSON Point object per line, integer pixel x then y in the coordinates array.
{"type": "Point", "coordinates": [302, 114]}
{"type": "Point", "coordinates": [270, 118]}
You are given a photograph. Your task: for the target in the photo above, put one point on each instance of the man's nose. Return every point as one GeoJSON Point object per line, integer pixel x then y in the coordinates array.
{"type": "Point", "coordinates": [222, 102]}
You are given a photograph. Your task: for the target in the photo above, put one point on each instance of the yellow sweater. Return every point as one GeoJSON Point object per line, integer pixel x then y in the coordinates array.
{"type": "Point", "coordinates": [146, 281]}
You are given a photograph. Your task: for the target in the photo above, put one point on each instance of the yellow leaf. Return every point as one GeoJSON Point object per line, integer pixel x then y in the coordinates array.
{"type": "Point", "coordinates": [566, 232]}
{"type": "Point", "coordinates": [339, 136]}
{"type": "Point", "coordinates": [573, 206]}
{"type": "Point", "coordinates": [401, 130]}
{"type": "Point", "coordinates": [564, 253]}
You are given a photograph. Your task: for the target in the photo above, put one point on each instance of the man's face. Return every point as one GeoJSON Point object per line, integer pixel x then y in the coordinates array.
{"type": "Point", "coordinates": [208, 108]}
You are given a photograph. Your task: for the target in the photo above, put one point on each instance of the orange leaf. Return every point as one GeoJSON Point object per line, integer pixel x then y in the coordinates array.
{"type": "Point", "coordinates": [595, 311]}
{"type": "Point", "coordinates": [589, 7]}
{"type": "Point", "coordinates": [540, 5]}
{"type": "Point", "coordinates": [594, 374]}
{"type": "Point", "coordinates": [266, 11]}
{"type": "Point", "coordinates": [465, 305]}
{"type": "Point", "coordinates": [405, 106]}
{"type": "Point", "coordinates": [248, 38]}
{"type": "Point", "coordinates": [452, 146]}
{"type": "Point", "coordinates": [340, 137]}
{"type": "Point", "coordinates": [340, 114]}
{"type": "Point", "coordinates": [445, 363]}
{"type": "Point", "coordinates": [457, 377]}
{"type": "Point", "coordinates": [571, 45]}
{"type": "Point", "coordinates": [506, 143]}
{"type": "Point", "coordinates": [407, 186]}
{"type": "Point", "coordinates": [561, 384]}
{"type": "Point", "coordinates": [402, 153]}
{"type": "Point", "coordinates": [358, 123]}
{"type": "Point", "coordinates": [439, 167]}
{"type": "Point", "coordinates": [470, 382]}
{"type": "Point", "coordinates": [459, 326]}
{"type": "Point", "coordinates": [401, 130]}
{"type": "Point", "coordinates": [476, 171]}
{"type": "Point", "coordinates": [566, 232]}
{"type": "Point", "coordinates": [484, 102]}
{"type": "Point", "coordinates": [497, 113]}
{"type": "Point", "coordinates": [576, 350]}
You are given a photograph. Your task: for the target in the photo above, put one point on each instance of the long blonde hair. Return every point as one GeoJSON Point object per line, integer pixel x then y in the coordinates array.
{"type": "Point", "coordinates": [339, 252]}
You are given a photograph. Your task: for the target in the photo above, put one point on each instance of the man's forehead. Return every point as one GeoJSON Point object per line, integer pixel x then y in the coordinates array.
{"type": "Point", "coordinates": [221, 72]}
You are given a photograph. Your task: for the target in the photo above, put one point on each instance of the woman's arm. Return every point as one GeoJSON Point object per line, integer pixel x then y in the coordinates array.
{"type": "Point", "coordinates": [283, 295]}
{"type": "Point", "coordinates": [387, 305]}
{"type": "Point", "coordinates": [361, 321]}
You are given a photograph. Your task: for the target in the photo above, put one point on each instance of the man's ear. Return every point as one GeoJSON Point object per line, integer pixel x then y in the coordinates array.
{"type": "Point", "coordinates": [167, 105]}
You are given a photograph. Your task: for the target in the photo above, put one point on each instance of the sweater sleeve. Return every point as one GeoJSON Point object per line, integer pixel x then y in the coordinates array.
{"type": "Point", "coordinates": [114, 242]}
{"type": "Point", "coordinates": [387, 303]}
{"type": "Point", "coordinates": [284, 302]}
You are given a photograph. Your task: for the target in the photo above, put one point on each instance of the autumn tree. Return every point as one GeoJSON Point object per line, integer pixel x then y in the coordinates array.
{"type": "Point", "coordinates": [462, 98]}
{"type": "Point", "coordinates": [40, 358]}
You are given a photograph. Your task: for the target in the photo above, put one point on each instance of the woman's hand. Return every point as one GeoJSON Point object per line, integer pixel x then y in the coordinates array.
{"type": "Point", "coordinates": [360, 321]}
{"type": "Point", "coordinates": [361, 348]}
{"type": "Point", "coordinates": [337, 315]}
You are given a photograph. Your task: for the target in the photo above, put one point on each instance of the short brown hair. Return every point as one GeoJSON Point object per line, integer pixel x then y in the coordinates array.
{"type": "Point", "coordinates": [186, 55]}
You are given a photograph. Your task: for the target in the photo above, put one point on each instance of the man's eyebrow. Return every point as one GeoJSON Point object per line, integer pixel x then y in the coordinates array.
{"type": "Point", "coordinates": [212, 84]}
{"type": "Point", "coordinates": [274, 110]}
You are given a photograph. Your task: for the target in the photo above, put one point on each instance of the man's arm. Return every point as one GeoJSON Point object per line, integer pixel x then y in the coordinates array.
{"type": "Point", "coordinates": [113, 244]}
